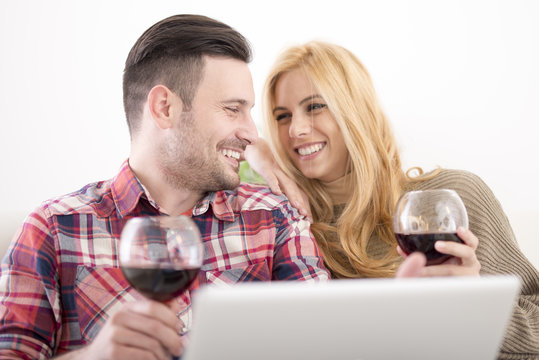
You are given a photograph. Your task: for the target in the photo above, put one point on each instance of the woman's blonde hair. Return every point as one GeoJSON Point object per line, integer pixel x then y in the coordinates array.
{"type": "Point", "coordinates": [375, 167]}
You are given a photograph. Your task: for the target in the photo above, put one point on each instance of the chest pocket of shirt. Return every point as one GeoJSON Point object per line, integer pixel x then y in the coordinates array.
{"type": "Point", "coordinates": [99, 291]}
{"type": "Point", "coordinates": [254, 272]}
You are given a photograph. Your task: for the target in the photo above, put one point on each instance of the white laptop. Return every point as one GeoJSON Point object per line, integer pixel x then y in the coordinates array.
{"type": "Point", "coordinates": [426, 318]}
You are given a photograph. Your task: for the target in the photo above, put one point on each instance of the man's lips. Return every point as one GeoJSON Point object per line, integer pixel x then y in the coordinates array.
{"type": "Point", "coordinates": [231, 153]}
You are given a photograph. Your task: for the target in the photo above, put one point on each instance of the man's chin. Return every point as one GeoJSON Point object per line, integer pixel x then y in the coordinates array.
{"type": "Point", "coordinates": [225, 182]}
{"type": "Point", "coordinates": [232, 183]}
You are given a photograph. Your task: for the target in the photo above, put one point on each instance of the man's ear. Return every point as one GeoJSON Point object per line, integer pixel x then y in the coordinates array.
{"type": "Point", "coordinates": [163, 104]}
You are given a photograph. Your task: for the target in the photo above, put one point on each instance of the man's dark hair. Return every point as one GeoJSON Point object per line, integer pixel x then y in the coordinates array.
{"type": "Point", "coordinates": [171, 53]}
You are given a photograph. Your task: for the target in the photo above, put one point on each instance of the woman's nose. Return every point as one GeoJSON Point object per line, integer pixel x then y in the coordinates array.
{"type": "Point", "coordinates": [300, 126]}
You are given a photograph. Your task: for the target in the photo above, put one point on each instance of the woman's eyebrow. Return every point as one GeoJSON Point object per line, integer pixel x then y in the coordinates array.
{"type": "Point", "coordinates": [308, 98]}
{"type": "Point", "coordinates": [279, 108]}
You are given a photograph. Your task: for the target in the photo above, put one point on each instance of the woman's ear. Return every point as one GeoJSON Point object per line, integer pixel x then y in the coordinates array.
{"type": "Point", "coordinates": [161, 101]}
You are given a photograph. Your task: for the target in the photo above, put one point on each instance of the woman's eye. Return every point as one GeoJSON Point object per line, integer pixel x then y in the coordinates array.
{"type": "Point", "coordinates": [315, 106]}
{"type": "Point", "coordinates": [281, 117]}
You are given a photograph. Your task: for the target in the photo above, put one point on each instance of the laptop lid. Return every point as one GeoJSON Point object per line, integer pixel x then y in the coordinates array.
{"type": "Point", "coordinates": [420, 318]}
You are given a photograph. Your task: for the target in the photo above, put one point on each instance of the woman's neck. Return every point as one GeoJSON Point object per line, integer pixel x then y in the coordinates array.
{"type": "Point", "coordinates": [339, 190]}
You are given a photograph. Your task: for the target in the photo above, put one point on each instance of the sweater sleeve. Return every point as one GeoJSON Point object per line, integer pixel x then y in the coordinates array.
{"type": "Point", "coordinates": [499, 253]}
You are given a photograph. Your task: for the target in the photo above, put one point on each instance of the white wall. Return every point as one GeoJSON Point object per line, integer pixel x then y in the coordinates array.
{"type": "Point", "coordinates": [458, 79]}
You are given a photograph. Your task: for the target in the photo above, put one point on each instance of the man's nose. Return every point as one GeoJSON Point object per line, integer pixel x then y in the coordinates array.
{"type": "Point", "coordinates": [248, 131]}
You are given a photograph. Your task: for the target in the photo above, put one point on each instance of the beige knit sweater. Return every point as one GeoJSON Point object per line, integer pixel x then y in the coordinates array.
{"type": "Point", "coordinates": [498, 253]}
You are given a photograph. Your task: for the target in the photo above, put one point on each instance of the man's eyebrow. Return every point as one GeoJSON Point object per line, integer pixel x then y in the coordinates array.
{"type": "Point", "coordinates": [308, 98]}
{"type": "Point", "coordinates": [238, 101]}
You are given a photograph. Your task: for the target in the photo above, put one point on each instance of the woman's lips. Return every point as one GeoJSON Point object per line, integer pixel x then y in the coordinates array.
{"type": "Point", "coordinates": [309, 150]}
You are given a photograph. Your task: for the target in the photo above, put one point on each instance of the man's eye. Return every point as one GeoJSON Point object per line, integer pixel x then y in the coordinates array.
{"type": "Point", "coordinates": [315, 106]}
{"type": "Point", "coordinates": [232, 109]}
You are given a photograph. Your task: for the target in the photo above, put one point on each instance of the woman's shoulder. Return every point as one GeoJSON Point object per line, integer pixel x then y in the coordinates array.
{"type": "Point", "coordinates": [470, 187]}
{"type": "Point", "coordinates": [455, 179]}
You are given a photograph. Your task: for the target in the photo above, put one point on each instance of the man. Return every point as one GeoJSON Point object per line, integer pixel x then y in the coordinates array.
{"type": "Point", "coordinates": [188, 93]}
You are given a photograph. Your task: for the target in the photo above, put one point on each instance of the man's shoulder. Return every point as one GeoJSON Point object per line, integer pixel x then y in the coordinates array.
{"type": "Point", "coordinates": [94, 198]}
{"type": "Point", "coordinates": [248, 197]}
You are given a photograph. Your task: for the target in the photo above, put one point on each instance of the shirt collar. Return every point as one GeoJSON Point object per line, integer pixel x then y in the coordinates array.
{"type": "Point", "coordinates": [127, 192]}
{"type": "Point", "coordinates": [221, 203]}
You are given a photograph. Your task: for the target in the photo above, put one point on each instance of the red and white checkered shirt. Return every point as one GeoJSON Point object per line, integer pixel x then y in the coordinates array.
{"type": "Point", "coordinates": [60, 279]}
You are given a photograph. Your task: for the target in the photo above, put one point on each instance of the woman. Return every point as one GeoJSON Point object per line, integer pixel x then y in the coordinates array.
{"type": "Point", "coordinates": [330, 136]}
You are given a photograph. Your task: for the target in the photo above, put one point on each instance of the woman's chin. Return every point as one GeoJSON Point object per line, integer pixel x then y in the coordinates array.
{"type": "Point", "coordinates": [311, 173]}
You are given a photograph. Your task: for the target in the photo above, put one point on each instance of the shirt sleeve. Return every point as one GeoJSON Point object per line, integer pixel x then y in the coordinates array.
{"type": "Point", "coordinates": [29, 301]}
{"type": "Point", "coordinates": [499, 253]}
{"type": "Point", "coordinates": [296, 256]}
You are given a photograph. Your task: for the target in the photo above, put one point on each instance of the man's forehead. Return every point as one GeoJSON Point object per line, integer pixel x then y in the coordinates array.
{"type": "Point", "coordinates": [229, 79]}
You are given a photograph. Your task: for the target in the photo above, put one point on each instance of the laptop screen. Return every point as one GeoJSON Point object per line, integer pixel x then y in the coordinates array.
{"type": "Point", "coordinates": [424, 318]}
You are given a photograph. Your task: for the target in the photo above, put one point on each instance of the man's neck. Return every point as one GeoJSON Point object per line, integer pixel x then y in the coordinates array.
{"type": "Point", "coordinates": [171, 200]}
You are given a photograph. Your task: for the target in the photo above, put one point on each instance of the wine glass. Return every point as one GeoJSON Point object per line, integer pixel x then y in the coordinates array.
{"type": "Point", "coordinates": [160, 256]}
{"type": "Point", "coordinates": [423, 217]}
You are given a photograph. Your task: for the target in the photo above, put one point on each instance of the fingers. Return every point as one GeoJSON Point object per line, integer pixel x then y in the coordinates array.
{"type": "Point", "coordinates": [273, 184]}
{"type": "Point", "coordinates": [155, 320]}
{"type": "Point", "coordinates": [297, 197]}
{"type": "Point", "coordinates": [465, 253]}
{"type": "Point", "coordinates": [155, 310]}
{"type": "Point", "coordinates": [463, 262]}
{"type": "Point", "coordinates": [449, 269]}
{"type": "Point", "coordinates": [128, 334]}
{"type": "Point", "coordinates": [260, 158]}
{"type": "Point", "coordinates": [401, 252]}
{"type": "Point", "coordinates": [306, 205]}
{"type": "Point", "coordinates": [133, 342]}
{"type": "Point", "coordinates": [468, 237]}
{"type": "Point", "coordinates": [144, 329]}
{"type": "Point", "coordinates": [412, 266]}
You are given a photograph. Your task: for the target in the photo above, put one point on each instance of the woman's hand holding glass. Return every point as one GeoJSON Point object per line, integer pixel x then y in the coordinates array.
{"type": "Point", "coordinates": [435, 223]}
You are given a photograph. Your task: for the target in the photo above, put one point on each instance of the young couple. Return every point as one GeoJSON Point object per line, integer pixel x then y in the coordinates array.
{"type": "Point", "coordinates": [188, 94]}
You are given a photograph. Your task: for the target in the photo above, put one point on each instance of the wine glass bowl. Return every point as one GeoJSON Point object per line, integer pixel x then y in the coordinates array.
{"type": "Point", "coordinates": [160, 256]}
{"type": "Point", "coordinates": [425, 216]}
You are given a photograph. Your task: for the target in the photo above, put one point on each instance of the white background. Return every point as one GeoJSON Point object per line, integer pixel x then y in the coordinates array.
{"type": "Point", "coordinates": [459, 81]}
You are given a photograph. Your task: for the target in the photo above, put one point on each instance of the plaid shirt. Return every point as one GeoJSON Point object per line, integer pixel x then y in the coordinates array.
{"type": "Point", "coordinates": [60, 279]}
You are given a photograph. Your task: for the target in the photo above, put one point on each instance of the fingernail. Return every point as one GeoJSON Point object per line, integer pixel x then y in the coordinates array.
{"type": "Point", "coordinates": [439, 244]}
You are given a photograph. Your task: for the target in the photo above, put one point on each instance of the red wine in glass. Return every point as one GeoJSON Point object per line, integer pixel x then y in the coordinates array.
{"type": "Point", "coordinates": [160, 256]}
{"type": "Point", "coordinates": [160, 283]}
{"type": "Point", "coordinates": [424, 243]}
{"type": "Point", "coordinates": [425, 216]}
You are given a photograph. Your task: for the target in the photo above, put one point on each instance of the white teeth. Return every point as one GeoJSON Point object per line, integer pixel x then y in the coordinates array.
{"type": "Point", "coordinates": [231, 153]}
{"type": "Point", "coordinates": [308, 150]}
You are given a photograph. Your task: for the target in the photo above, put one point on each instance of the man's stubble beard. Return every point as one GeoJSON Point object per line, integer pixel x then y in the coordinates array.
{"type": "Point", "coordinates": [187, 161]}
